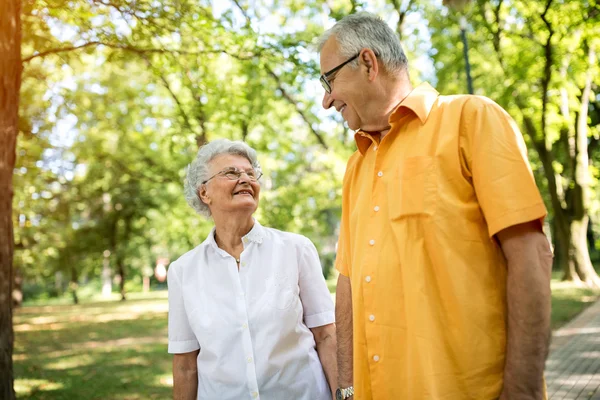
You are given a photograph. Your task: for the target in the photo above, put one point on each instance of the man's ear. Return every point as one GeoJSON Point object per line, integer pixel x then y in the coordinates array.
{"type": "Point", "coordinates": [369, 60]}
{"type": "Point", "coordinates": [203, 195]}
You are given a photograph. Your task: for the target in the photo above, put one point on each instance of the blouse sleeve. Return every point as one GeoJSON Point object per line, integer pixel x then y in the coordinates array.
{"type": "Point", "coordinates": [181, 336]}
{"type": "Point", "coordinates": [314, 295]}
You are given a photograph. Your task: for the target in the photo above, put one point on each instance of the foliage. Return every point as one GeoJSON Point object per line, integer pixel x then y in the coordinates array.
{"type": "Point", "coordinates": [117, 96]}
{"type": "Point", "coordinates": [537, 60]}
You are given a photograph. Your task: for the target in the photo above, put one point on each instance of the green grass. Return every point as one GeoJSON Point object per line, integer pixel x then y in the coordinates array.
{"type": "Point", "coordinates": [114, 350]}
{"type": "Point", "coordinates": [568, 300]}
{"type": "Point", "coordinates": [104, 350]}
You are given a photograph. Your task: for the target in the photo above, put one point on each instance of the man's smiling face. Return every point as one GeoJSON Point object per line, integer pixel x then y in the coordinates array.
{"type": "Point", "coordinates": [347, 86]}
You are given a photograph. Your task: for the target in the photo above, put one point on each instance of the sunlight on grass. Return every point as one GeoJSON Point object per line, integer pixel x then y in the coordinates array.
{"type": "Point", "coordinates": [568, 300]}
{"type": "Point", "coordinates": [165, 380]}
{"type": "Point", "coordinates": [107, 350]}
{"type": "Point", "coordinates": [72, 362]}
{"type": "Point", "coordinates": [29, 386]}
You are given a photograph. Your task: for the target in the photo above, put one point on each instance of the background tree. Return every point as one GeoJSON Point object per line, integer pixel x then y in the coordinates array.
{"type": "Point", "coordinates": [543, 55]}
{"type": "Point", "coordinates": [10, 82]}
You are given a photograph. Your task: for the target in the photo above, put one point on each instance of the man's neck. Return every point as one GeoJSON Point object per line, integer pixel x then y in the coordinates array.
{"type": "Point", "coordinates": [388, 94]}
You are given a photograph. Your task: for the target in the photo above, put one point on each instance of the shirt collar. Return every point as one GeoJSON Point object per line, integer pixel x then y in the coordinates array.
{"type": "Point", "coordinates": [256, 235]}
{"type": "Point", "coordinates": [419, 101]}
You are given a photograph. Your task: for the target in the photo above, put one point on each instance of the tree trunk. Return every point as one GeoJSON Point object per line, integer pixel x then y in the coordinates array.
{"type": "Point", "coordinates": [10, 84]}
{"type": "Point", "coordinates": [580, 255]}
{"type": "Point", "coordinates": [579, 196]}
{"type": "Point", "coordinates": [74, 284]}
{"type": "Point", "coordinates": [121, 269]}
{"type": "Point", "coordinates": [106, 279]}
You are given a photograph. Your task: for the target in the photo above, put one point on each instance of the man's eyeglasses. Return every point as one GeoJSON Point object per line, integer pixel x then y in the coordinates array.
{"type": "Point", "coordinates": [325, 82]}
{"type": "Point", "coordinates": [235, 174]}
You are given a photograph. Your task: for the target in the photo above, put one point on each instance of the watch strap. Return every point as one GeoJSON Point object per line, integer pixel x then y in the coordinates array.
{"type": "Point", "coordinates": [347, 392]}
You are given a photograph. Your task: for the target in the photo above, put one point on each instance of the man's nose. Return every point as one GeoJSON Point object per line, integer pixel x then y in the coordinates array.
{"type": "Point", "coordinates": [327, 101]}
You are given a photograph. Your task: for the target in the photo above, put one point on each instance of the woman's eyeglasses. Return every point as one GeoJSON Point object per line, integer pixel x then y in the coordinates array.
{"type": "Point", "coordinates": [235, 174]}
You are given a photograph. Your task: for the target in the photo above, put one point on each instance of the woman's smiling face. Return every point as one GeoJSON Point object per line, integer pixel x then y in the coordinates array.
{"type": "Point", "coordinates": [223, 195]}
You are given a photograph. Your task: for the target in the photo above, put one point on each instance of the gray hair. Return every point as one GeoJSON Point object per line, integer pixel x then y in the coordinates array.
{"type": "Point", "coordinates": [197, 171]}
{"type": "Point", "coordinates": [364, 30]}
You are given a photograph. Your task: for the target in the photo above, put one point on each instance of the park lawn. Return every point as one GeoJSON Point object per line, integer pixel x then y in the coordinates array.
{"type": "Point", "coordinates": [118, 350]}
{"type": "Point", "coordinates": [568, 300]}
{"type": "Point", "coordinates": [102, 350]}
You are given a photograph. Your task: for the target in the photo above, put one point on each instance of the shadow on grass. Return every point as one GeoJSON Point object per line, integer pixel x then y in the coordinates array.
{"type": "Point", "coordinates": [107, 351]}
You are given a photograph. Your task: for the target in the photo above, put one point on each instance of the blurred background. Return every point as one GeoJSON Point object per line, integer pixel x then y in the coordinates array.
{"type": "Point", "coordinates": [116, 97]}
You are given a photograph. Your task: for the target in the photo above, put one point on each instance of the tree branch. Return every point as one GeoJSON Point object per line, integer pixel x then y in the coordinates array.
{"type": "Point", "coordinates": [140, 51]}
{"type": "Point", "coordinates": [244, 12]}
{"type": "Point", "coordinates": [548, 66]}
{"type": "Point", "coordinates": [401, 15]}
{"type": "Point", "coordinates": [293, 102]}
{"type": "Point", "coordinates": [173, 95]}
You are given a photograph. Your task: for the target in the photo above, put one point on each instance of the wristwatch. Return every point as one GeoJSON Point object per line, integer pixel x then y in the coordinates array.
{"type": "Point", "coordinates": [342, 394]}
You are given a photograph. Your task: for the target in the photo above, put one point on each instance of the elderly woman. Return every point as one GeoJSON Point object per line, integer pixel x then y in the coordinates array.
{"type": "Point", "coordinates": [250, 316]}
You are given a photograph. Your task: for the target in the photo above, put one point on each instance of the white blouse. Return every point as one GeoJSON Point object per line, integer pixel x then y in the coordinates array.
{"type": "Point", "coordinates": [252, 325]}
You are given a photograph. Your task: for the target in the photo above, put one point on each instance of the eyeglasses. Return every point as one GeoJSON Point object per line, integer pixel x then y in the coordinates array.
{"type": "Point", "coordinates": [235, 174]}
{"type": "Point", "coordinates": [325, 82]}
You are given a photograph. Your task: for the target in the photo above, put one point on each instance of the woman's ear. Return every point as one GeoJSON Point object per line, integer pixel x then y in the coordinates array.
{"type": "Point", "coordinates": [203, 195]}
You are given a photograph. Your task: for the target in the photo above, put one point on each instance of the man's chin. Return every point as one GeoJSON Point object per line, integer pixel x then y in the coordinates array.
{"type": "Point", "coordinates": [352, 125]}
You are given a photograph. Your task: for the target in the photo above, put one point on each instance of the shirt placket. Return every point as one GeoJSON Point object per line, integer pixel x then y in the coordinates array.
{"type": "Point", "coordinates": [243, 305]}
{"type": "Point", "coordinates": [373, 249]}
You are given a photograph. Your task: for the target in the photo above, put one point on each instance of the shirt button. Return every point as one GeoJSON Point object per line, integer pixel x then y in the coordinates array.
{"type": "Point", "coordinates": [244, 326]}
{"type": "Point", "coordinates": [376, 208]}
{"type": "Point", "coordinates": [371, 318]}
{"type": "Point", "coordinates": [380, 174]}
{"type": "Point", "coordinates": [249, 360]}
{"type": "Point", "coordinates": [255, 394]}
{"type": "Point", "coordinates": [371, 242]}
{"type": "Point", "coordinates": [375, 358]}
{"type": "Point", "coordinates": [368, 278]}
{"type": "Point", "coordinates": [245, 240]}
{"type": "Point", "coordinates": [243, 264]}
{"type": "Point", "coordinates": [374, 148]}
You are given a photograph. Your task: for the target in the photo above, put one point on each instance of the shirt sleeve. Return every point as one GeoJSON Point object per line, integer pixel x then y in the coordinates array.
{"type": "Point", "coordinates": [314, 295]}
{"type": "Point", "coordinates": [495, 158]}
{"type": "Point", "coordinates": [181, 336]}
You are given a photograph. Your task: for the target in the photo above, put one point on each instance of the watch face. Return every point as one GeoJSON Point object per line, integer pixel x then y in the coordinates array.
{"type": "Point", "coordinates": [338, 395]}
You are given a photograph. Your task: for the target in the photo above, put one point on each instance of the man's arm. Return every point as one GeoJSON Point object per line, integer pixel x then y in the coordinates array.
{"type": "Point", "coordinates": [185, 376]}
{"type": "Point", "coordinates": [343, 318]}
{"type": "Point", "coordinates": [529, 261]}
{"type": "Point", "coordinates": [326, 348]}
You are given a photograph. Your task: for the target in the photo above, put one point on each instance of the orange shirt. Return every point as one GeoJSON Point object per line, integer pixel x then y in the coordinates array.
{"type": "Point", "coordinates": [420, 208]}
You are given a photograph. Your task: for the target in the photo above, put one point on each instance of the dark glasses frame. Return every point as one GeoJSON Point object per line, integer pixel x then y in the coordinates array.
{"type": "Point", "coordinates": [325, 77]}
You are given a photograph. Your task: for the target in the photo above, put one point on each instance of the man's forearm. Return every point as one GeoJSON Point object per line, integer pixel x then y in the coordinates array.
{"type": "Point", "coordinates": [343, 317]}
{"type": "Point", "coordinates": [528, 322]}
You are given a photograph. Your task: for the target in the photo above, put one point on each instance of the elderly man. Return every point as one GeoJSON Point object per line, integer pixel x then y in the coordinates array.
{"type": "Point", "coordinates": [444, 286]}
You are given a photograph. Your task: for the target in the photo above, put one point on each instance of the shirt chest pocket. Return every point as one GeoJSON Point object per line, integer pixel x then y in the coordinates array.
{"type": "Point", "coordinates": [412, 189]}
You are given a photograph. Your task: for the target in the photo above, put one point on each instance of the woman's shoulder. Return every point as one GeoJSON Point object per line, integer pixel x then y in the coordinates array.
{"type": "Point", "coordinates": [188, 258]}
{"type": "Point", "coordinates": [287, 238]}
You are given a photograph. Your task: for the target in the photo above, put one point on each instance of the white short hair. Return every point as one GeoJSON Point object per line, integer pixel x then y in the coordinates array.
{"type": "Point", "coordinates": [367, 31]}
{"type": "Point", "coordinates": [197, 171]}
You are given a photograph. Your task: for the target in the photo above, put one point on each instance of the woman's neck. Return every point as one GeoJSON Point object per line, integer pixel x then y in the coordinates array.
{"type": "Point", "coordinates": [229, 233]}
